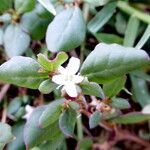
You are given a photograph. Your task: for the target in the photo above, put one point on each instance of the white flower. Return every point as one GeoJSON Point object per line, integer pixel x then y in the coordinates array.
{"type": "Point", "coordinates": [68, 78]}
{"type": "Point", "coordinates": [29, 109]}
{"type": "Point", "coordinates": [146, 109]}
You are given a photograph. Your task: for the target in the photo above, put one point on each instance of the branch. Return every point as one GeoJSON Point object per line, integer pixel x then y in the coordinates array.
{"type": "Point", "coordinates": [3, 91]}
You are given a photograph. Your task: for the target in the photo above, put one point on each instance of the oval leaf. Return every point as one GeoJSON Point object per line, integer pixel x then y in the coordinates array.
{"type": "Point", "coordinates": [66, 31]}
{"type": "Point", "coordinates": [108, 62]}
{"type": "Point", "coordinates": [74, 105]}
{"type": "Point", "coordinates": [53, 144]}
{"type": "Point", "coordinates": [6, 135]}
{"type": "Point", "coordinates": [109, 38]}
{"type": "Point", "coordinates": [5, 5]}
{"type": "Point", "coordinates": [17, 130]}
{"type": "Point", "coordinates": [34, 135]}
{"type": "Point", "coordinates": [33, 24]}
{"type": "Point", "coordinates": [140, 91]}
{"type": "Point", "coordinates": [67, 122]}
{"type": "Point", "coordinates": [92, 88]}
{"type": "Point", "coordinates": [23, 6]}
{"type": "Point", "coordinates": [51, 113]}
{"type": "Point", "coordinates": [113, 88]}
{"type": "Point", "coordinates": [14, 105]}
{"type": "Point", "coordinates": [22, 71]}
{"type": "Point", "coordinates": [95, 119]}
{"type": "Point", "coordinates": [120, 103]}
{"type": "Point", "coordinates": [18, 44]}
{"type": "Point", "coordinates": [47, 86]}
{"type": "Point", "coordinates": [48, 5]}
{"type": "Point", "coordinates": [131, 118]}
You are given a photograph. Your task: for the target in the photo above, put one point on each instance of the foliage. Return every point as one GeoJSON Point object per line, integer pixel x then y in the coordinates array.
{"type": "Point", "coordinates": [67, 62]}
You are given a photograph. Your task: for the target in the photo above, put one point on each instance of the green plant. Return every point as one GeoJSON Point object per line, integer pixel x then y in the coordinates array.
{"type": "Point", "coordinates": [99, 75]}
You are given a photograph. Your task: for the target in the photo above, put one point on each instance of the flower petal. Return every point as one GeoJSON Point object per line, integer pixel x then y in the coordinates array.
{"type": "Point", "coordinates": [77, 79]}
{"type": "Point", "coordinates": [71, 90]}
{"type": "Point", "coordinates": [73, 65]}
{"type": "Point", "coordinates": [62, 70]}
{"type": "Point", "coordinates": [146, 109]}
{"type": "Point", "coordinates": [29, 109]}
{"type": "Point", "coordinates": [59, 79]}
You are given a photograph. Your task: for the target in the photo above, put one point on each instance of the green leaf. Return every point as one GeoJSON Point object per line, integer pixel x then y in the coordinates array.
{"type": "Point", "coordinates": [18, 143]}
{"type": "Point", "coordinates": [85, 144]}
{"type": "Point", "coordinates": [19, 43]}
{"type": "Point", "coordinates": [34, 135]}
{"type": "Point", "coordinates": [144, 38]}
{"type": "Point", "coordinates": [1, 36]}
{"type": "Point", "coordinates": [45, 62]}
{"type": "Point", "coordinates": [108, 38]}
{"type": "Point", "coordinates": [5, 5]}
{"type": "Point", "coordinates": [121, 23]}
{"type": "Point", "coordinates": [53, 144]}
{"type": "Point", "coordinates": [140, 91]}
{"type": "Point", "coordinates": [131, 118]}
{"type": "Point", "coordinates": [119, 103]}
{"type": "Point", "coordinates": [52, 65]}
{"type": "Point", "coordinates": [47, 86]}
{"type": "Point", "coordinates": [110, 114]}
{"type": "Point", "coordinates": [113, 88]}
{"type": "Point", "coordinates": [19, 114]}
{"type": "Point", "coordinates": [74, 105]}
{"type": "Point", "coordinates": [92, 88]}
{"type": "Point", "coordinates": [43, 13]}
{"type": "Point", "coordinates": [95, 119]}
{"type": "Point", "coordinates": [102, 17]}
{"type": "Point", "coordinates": [141, 75]}
{"type": "Point", "coordinates": [23, 6]}
{"type": "Point", "coordinates": [51, 113]}
{"type": "Point", "coordinates": [109, 62]}
{"type": "Point", "coordinates": [66, 31]}
{"type": "Point", "coordinates": [131, 31]}
{"type": "Point", "coordinates": [48, 5]}
{"type": "Point", "coordinates": [6, 135]}
{"type": "Point", "coordinates": [97, 2]}
{"type": "Point", "coordinates": [141, 15]}
{"type": "Point", "coordinates": [67, 122]}
{"type": "Point", "coordinates": [33, 24]}
{"type": "Point", "coordinates": [22, 71]}
{"type": "Point", "coordinates": [35, 148]}
{"type": "Point", "coordinates": [68, 1]}
{"type": "Point", "coordinates": [63, 146]}
{"type": "Point", "coordinates": [14, 105]}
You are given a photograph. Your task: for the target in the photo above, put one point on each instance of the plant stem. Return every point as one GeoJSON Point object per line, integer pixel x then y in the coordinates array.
{"type": "Point", "coordinates": [85, 15]}
{"type": "Point", "coordinates": [79, 128]}
{"type": "Point", "coordinates": [124, 6]}
{"type": "Point", "coordinates": [82, 52]}
{"type": "Point", "coordinates": [4, 115]}
{"type": "Point", "coordinates": [3, 91]}
{"type": "Point", "coordinates": [86, 8]}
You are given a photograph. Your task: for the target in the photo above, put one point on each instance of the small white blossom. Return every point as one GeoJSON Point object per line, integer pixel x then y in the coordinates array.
{"type": "Point", "coordinates": [68, 78]}
{"type": "Point", "coordinates": [146, 109]}
{"type": "Point", "coordinates": [29, 109]}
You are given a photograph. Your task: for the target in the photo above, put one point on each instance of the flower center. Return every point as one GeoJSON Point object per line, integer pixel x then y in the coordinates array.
{"type": "Point", "coordinates": [69, 78]}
